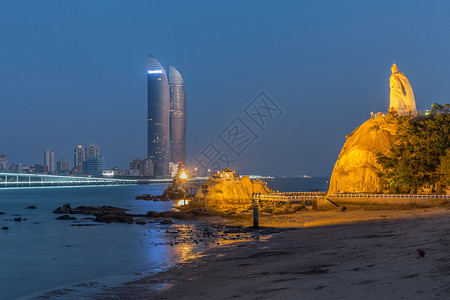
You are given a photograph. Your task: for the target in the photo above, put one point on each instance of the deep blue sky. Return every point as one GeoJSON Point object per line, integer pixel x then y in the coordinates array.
{"type": "Point", "coordinates": [73, 72]}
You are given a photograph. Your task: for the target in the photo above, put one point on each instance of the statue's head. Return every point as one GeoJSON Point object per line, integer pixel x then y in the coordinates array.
{"type": "Point", "coordinates": [394, 68]}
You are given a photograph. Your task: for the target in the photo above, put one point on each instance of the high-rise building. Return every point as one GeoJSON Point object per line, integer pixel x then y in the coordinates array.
{"type": "Point", "coordinates": [5, 164]}
{"type": "Point", "coordinates": [49, 160]}
{"type": "Point", "coordinates": [63, 166]}
{"type": "Point", "coordinates": [93, 166]}
{"type": "Point", "coordinates": [158, 116]}
{"type": "Point", "coordinates": [92, 151]}
{"type": "Point", "coordinates": [177, 122]}
{"type": "Point", "coordinates": [78, 157]}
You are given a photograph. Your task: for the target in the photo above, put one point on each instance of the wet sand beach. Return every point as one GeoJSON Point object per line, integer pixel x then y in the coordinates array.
{"type": "Point", "coordinates": [333, 255]}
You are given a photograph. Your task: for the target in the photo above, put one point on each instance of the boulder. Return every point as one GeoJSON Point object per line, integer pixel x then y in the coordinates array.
{"type": "Point", "coordinates": [65, 209]}
{"type": "Point", "coordinates": [356, 169]}
{"type": "Point", "coordinates": [153, 214]}
{"type": "Point", "coordinates": [235, 191]}
{"type": "Point", "coordinates": [31, 207]}
{"type": "Point", "coordinates": [5, 228]}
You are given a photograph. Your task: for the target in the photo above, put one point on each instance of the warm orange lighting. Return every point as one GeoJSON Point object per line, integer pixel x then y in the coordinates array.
{"type": "Point", "coordinates": [183, 175]}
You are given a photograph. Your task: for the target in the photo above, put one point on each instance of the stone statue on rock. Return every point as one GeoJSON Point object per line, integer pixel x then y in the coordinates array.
{"type": "Point", "coordinates": [402, 95]}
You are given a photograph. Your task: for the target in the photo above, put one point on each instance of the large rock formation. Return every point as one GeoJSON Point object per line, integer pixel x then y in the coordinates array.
{"type": "Point", "coordinates": [227, 188]}
{"type": "Point", "coordinates": [356, 168]}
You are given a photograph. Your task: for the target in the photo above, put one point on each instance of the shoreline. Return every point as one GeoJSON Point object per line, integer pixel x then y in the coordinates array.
{"type": "Point", "coordinates": [371, 253]}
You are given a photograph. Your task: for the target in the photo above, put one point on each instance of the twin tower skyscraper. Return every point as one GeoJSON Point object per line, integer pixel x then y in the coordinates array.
{"type": "Point", "coordinates": [166, 117]}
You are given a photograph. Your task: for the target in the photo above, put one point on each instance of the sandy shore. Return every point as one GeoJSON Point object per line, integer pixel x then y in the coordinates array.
{"type": "Point", "coordinates": [363, 254]}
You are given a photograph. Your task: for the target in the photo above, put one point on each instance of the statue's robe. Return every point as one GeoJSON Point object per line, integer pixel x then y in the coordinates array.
{"type": "Point", "coordinates": [402, 95]}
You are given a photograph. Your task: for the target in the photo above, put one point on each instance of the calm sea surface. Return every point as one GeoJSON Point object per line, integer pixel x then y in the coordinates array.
{"type": "Point", "coordinates": [42, 253]}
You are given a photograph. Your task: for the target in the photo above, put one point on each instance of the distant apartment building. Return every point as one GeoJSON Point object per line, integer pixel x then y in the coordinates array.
{"type": "Point", "coordinates": [78, 157]}
{"type": "Point", "coordinates": [40, 169]}
{"type": "Point", "coordinates": [92, 151]}
{"type": "Point", "coordinates": [93, 166]}
{"type": "Point", "coordinates": [5, 164]}
{"type": "Point", "coordinates": [141, 167]}
{"type": "Point", "coordinates": [63, 166]}
{"type": "Point", "coordinates": [49, 160]}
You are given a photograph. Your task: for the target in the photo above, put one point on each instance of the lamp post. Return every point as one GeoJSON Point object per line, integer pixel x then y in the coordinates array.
{"type": "Point", "coordinates": [204, 192]}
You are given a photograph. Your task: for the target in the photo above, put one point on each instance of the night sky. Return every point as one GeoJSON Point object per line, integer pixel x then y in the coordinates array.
{"type": "Point", "coordinates": [73, 72]}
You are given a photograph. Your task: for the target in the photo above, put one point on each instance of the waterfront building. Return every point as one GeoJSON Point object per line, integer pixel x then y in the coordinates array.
{"type": "Point", "coordinates": [158, 116]}
{"type": "Point", "coordinates": [92, 151]}
{"type": "Point", "coordinates": [63, 166]}
{"type": "Point", "coordinates": [93, 166]}
{"type": "Point", "coordinates": [79, 157]}
{"type": "Point", "coordinates": [177, 123]}
{"type": "Point", "coordinates": [49, 160]}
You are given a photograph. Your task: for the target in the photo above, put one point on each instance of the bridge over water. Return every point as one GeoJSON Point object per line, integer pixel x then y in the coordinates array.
{"type": "Point", "coordinates": [18, 180]}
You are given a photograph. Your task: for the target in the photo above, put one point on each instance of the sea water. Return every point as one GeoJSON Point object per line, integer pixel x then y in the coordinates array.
{"type": "Point", "coordinates": [41, 253]}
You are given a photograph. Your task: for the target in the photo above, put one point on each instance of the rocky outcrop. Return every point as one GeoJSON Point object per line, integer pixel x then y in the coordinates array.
{"type": "Point", "coordinates": [356, 168]}
{"type": "Point", "coordinates": [232, 191]}
{"type": "Point", "coordinates": [105, 214]}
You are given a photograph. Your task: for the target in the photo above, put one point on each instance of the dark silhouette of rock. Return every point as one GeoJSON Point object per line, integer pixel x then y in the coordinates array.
{"type": "Point", "coordinates": [65, 217]}
{"type": "Point", "coordinates": [2, 213]}
{"type": "Point", "coordinates": [166, 222]}
{"type": "Point", "coordinates": [65, 209]}
{"type": "Point", "coordinates": [31, 207]}
{"type": "Point", "coordinates": [144, 197]}
{"type": "Point", "coordinates": [114, 218]}
{"type": "Point", "coordinates": [140, 222]}
{"type": "Point", "coordinates": [153, 214]}
{"type": "Point", "coordinates": [5, 228]}
{"type": "Point", "coordinates": [18, 219]}
{"type": "Point", "coordinates": [166, 214]}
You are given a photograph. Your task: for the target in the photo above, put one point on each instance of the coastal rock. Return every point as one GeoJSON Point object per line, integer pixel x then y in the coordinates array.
{"type": "Point", "coordinates": [165, 222]}
{"type": "Point", "coordinates": [5, 228]}
{"type": "Point", "coordinates": [18, 219]}
{"type": "Point", "coordinates": [356, 169]}
{"type": "Point", "coordinates": [153, 214]}
{"type": "Point", "coordinates": [2, 213]}
{"type": "Point", "coordinates": [114, 218]}
{"type": "Point", "coordinates": [223, 191]}
{"type": "Point", "coordinates": [145, 197]}
{"type": "Point", "coordinates": [31, 207]}
{"type": "Point", "coordinates": [166, 214]}
{"type": "Point", "coordinates": [65, 209]}
{"type": "Point", "coordinates": [65, 217]}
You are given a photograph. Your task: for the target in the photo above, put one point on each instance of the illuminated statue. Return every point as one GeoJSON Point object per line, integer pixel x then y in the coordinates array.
{"type": "Point", "coordinates": [402, 96]}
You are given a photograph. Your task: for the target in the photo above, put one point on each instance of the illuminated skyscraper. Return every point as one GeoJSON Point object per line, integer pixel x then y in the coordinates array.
{"type": "Point", "coordinates": [49, 160]}
{"type": "Point", "coordinates": [177, 116]}
{"type": "Point", "coordinates": [158, 116]}
{"type": "Point", "coordinates": [78, 157]}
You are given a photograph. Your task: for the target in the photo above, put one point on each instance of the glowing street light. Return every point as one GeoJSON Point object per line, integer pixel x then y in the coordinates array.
{"type": "Point", "coordinates": [183, 175]}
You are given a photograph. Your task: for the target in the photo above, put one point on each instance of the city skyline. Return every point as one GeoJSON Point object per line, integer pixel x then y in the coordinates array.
{"type": "Point", "coordinates": [326, 73]}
